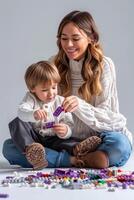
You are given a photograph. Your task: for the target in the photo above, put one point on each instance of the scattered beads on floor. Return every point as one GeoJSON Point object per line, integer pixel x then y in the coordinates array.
{"type": "Point", "coordinates": [109, 179]}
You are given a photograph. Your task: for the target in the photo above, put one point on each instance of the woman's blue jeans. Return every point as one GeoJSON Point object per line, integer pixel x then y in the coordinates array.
{"type": "Point", "coordinates": [15, 157]}
{"type": "Point", "coordinates": [117, 147]}
{"type": "Point", "coordinates": [115, 144]}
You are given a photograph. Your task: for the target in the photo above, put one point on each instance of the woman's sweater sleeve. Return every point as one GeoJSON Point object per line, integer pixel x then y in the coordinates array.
{"type": "Point", "coordinates": [104, 115]}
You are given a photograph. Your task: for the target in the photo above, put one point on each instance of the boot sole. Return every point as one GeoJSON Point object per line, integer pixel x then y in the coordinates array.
{"type": "Point", "coordinates": [35, 155]}
{"type": "Point", "coordinates": [88, 145]}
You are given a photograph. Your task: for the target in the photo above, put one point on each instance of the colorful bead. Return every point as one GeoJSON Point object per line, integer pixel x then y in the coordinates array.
{"type": "Point", "coordinates": [3, 195]}
{"type": "Point", "coordinates": [73, 179]}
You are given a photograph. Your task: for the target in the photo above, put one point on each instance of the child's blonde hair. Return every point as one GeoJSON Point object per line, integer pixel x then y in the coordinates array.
{"type": "Point", "coordinates": [41, 72]}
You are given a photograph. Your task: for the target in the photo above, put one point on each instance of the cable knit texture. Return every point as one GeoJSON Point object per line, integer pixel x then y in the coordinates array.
{"type": "Point", "coordinates": [103, 112]}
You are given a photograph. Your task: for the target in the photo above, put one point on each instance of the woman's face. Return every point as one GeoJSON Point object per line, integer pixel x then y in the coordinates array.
{"type": "Point", "coordinates": [74, 41]}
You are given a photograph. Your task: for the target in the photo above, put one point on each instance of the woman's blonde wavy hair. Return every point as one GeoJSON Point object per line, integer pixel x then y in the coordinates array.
{"type": "Point", "coordinates": [92, 64]}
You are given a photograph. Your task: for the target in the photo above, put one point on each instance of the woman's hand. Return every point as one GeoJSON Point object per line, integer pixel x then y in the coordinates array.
{"type": "Point", "coordinates": [60, 129]}
{"type": "Point", "coordinates": [40, 115]}
{"type": "Point", "coordinates": [70, 103]}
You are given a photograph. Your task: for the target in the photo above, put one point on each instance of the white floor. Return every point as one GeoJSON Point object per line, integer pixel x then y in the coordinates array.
{"type": "Point", "coordinates": [21, 193]}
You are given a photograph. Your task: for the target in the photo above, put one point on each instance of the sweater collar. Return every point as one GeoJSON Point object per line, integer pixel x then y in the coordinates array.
{"type": "Point", "coordinates": [76, 66]}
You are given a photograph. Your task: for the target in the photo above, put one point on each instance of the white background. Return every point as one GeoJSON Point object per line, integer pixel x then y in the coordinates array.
{"type": "Point", "coordinates": [28, 31]}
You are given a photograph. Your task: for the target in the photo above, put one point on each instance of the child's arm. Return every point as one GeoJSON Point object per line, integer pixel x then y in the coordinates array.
{"type": "Point", "coordinates": [27, 108]}
{"type": "Point", "coordinates": [62, 130]}
{"type": "Point", "coordinates": [40, 115]}
{"type": "Point", "coordinates": [64, 124]}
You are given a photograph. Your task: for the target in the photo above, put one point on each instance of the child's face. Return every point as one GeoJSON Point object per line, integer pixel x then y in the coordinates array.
{"type": "Point", "coordinates": [74, 41]}
{"type": "Point", "coordinates": [46, 92]}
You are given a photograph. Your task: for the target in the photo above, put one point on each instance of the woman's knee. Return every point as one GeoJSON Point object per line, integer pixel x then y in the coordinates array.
{"type": "Point", "coordinates": [13, 155]}
{"type": "Point", "coordinates": [124, 150]}
{"type": "Point", "coordinates": [7, 148]}
{"type": "Point", "coordinates": [122, 144]}
{"type": "Point", "coordinates": [117, 147]}
{"type": "Point", "coordinates": [116, 140]}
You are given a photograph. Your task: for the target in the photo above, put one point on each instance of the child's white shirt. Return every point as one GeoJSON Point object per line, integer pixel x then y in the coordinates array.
{"type": "Point", "coordinates": [30, 104]}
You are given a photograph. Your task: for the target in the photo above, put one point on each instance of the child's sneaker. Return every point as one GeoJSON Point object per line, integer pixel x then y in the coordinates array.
{"type": "Point", "coordinates": [88, 145]}
{"type": "Point", "coordinates": [35, 154]}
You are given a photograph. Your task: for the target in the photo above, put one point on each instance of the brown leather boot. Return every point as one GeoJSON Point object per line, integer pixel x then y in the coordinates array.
{"type": "Point", "coordinates": [96, 159]}
{"type": "Point", "coordinates": [88, 145]}
{"type": "Point", "coordinates": [35, 154]}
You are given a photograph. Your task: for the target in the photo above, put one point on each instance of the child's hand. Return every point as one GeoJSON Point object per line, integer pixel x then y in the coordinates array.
{"type": "Point", "coordinates": [40, 115]}
{"type": "Point", "coordinates": [60, 129]}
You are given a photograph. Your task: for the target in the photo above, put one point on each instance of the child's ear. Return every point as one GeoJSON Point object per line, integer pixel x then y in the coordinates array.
{"type": "Point", "coordinates": [89, 41]}
{"type": "Point", "coordinates": [32, 91]}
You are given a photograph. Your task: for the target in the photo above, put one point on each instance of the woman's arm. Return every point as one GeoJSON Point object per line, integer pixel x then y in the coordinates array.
{"type": "Point", "coordinates": [104, 115]}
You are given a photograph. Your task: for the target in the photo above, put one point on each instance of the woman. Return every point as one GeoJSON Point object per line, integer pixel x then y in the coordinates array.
{"type": "Point", "coordinates": [89, 87]}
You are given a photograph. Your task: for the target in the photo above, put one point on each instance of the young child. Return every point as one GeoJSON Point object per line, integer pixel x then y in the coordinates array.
{"type": "Point", "coordinates": [46, 128]}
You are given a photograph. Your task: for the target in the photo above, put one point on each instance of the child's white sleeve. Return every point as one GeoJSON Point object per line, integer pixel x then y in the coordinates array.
{"type": "Point", "coordinates": [27, 108]}
{"type": "Point", "coordinates": [68, 120]}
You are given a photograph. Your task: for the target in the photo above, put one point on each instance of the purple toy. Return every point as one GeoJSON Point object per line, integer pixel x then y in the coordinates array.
{"type": "Point", "coordinates": [58, 111]}
{"type": "Point", "coordinates": [2, 195]}
{"type": "Point", "coordinates": [55, 114]}
{"type": "Point", "coordinates": [48, 125]}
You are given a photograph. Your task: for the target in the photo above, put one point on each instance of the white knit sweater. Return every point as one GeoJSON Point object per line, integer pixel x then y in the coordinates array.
{"type": "Point", "coordinates": [103, 114]}
{"type": "Point", "coordinates": [30, 104]}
